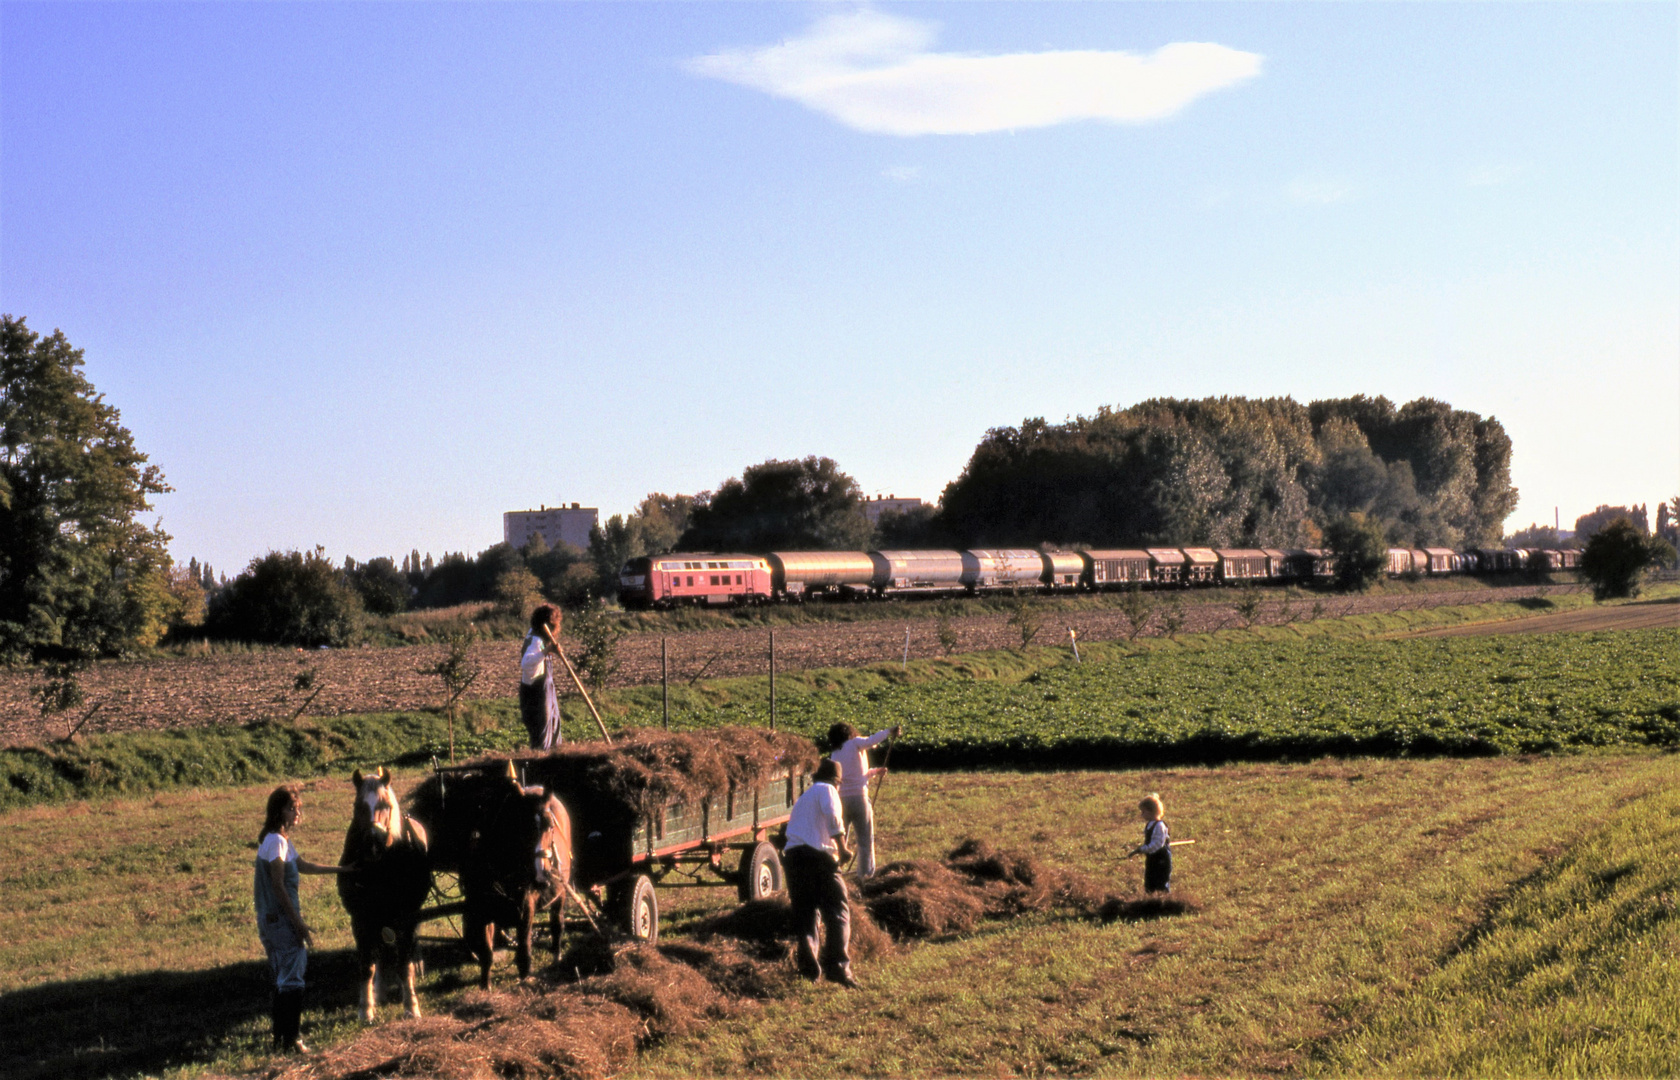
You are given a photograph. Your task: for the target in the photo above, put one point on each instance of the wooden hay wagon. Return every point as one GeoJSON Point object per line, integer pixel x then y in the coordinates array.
{"type": "Point", "coordinates": [659, 810]}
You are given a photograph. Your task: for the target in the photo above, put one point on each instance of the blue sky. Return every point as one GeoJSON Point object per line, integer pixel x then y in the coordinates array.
{"type": "Point", "coordinates": [368, 275]}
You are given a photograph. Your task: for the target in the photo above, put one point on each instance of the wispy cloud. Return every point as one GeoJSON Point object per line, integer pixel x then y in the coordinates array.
{"type": "Point", "coordinates": [877, 73]}
{"type": "Point", "coordinates": [1317, 191]}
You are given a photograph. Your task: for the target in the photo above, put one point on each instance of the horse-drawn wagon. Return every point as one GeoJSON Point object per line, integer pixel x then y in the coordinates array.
{"type": "Point", "coordinates": [611, 825]}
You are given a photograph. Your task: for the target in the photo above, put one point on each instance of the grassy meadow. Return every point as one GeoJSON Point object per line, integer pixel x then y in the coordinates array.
{"type": "Point", "coordinates": [1343, 903]}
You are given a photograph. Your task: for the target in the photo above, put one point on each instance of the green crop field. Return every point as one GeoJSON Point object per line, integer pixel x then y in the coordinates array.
{"type": "Point", "coordinates": [1266, 699]}
{"type": "Point", "coordinates": [1231, 697]}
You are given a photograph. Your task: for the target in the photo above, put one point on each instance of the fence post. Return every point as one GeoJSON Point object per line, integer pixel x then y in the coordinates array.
{"type": "Point", "coordinates": [906, 664]}
{"type": "Point", "coordinates": [772, 680]}
{"type": "Point", "coordinates": [664, 683]}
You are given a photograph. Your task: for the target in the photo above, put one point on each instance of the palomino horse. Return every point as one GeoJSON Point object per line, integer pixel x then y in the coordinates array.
{"type": "Point", "coordinates": [518, 858]}
{"type": "Point", "coordinates": [385, 892]}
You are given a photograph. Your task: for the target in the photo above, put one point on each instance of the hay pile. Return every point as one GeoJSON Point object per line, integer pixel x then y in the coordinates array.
{"type": "Point", "coordinates": [925, 899]}
{"type": "Point", "coordinates": [630, 996]}
{"type": "Point", "coordinates": [649, 770]}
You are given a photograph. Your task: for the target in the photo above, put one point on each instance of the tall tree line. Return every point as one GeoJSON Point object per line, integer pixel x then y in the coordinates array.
{"type": "Point", "coordinates": [1235, 472]}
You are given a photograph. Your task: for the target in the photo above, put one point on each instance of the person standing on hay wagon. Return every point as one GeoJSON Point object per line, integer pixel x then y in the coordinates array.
{"type": "Point", "coordinates": [1156, 848]}
{"type": "Point", "coordinates": [538, 707]}
{"type": "Point", "coordinates": [851, 752]}
{"type": "Point", "coordinates": [816, 846]}
{"type": "Point", "coordinates": [280, 926]}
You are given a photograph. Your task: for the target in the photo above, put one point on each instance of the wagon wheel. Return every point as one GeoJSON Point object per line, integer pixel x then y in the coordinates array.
{"type": "Point", "coordinates": [635, 909]}
{"type": "Point", "coordinates": [761, 873]}
{"type": "Point", "coordinates": [446, 894]}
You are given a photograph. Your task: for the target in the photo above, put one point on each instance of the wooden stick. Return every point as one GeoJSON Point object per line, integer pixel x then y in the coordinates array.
{"type": "Point", "coordinates": [577, 682]}
{"type": "Point", "coordinates": [881, 781]}
{"type": "Point", "coordinates": [1170, 843]}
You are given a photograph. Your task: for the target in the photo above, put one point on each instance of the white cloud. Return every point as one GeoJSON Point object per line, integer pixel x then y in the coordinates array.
{"type": "Point", "coordinates": [1317, 192]}
{"type": "Point", "coordinates": [876, 73]}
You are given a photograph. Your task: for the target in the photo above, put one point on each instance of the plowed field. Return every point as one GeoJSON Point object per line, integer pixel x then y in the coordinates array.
{"type": "Point", "coordinates": [242, 688]}
{"type": "Point", "coordinates": [1641, 615]}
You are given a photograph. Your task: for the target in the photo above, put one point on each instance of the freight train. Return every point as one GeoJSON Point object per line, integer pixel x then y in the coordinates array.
{"type": "Point", "coordinates": [704, 578]}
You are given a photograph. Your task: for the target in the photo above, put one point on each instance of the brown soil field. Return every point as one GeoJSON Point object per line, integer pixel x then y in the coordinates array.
{"type": "Point", "coordinates": [1641, 615]}
{"type": "Point", "coordinates": [242, 688]}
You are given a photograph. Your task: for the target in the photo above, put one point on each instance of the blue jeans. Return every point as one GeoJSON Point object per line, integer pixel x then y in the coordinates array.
{"type": "Point", "coordinates": [287, 956]}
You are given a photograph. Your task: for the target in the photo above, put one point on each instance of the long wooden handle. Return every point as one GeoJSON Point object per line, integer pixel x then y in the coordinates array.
{"type": "Point", "coordinates": [881, 781]}
{"type": "Point", "coordinates": [577, 682]}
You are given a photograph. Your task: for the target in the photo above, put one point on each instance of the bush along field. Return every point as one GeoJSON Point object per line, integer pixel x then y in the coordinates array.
{"type": "Point", "coordinates": [1234, 696]}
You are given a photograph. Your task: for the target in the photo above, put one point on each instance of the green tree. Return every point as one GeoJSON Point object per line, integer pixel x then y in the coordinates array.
{"type": "Point", "coordinates": [1360, 547]}
{"type": "Point", "coordinates": [382, 587]}
{"type": "Point", "coordinates": [781, 505]}
{"type": "Point", "coordinates": [288, 598]}
{"type": "Point", "coordinates": [1616, 557]}
{"type": "Point", "coordinates": [653, 529]}
{"type": "Point", "coordinates": [79, 576]}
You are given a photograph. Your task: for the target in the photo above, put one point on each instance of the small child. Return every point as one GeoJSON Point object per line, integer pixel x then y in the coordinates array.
{"type": "Point", "coordinates": [1156, 849]}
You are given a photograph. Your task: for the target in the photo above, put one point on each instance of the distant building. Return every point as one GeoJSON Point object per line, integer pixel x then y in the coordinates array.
{"type": "Point", "coordinates": [555, 524]}
{"type": "Point", "coordinates": [874, 508]}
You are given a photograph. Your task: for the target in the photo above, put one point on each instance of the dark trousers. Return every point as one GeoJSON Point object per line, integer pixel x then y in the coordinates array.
{"type": "Point", "coordinates": [817, 894]}
{"type": "Point", "coordinates": [1157, 871]}
{"type": "Point", "coordinates": [540, 712]}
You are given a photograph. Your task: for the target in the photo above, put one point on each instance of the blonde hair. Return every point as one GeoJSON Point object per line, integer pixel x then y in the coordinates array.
{"type": "Point", "coordinates": [1151, 805]}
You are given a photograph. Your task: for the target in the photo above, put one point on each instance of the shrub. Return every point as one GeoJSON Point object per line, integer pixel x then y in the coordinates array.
{"type": "Point", "coordinates": [1360, 548]}
{"type": "Point", "coordinates": [1616, 557]}
{"type": "Point", "coordinates": [288, 598]}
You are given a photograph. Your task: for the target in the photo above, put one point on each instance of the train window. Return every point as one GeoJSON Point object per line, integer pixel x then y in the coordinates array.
{"type": "Point", "coordinates": [737, 579]}
{"type": "Point", "coordinates": [714, 579]}
{"type": "Point", "coordinates": [691, 579]}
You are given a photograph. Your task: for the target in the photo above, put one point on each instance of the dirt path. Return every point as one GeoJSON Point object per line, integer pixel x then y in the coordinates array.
{"type": "Point", "coordinates": [243, 688]}
{"type": "Point", "coordinates": [1640, 615]}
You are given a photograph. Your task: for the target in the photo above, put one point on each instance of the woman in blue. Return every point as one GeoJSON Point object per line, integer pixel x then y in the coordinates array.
{"type": "Point", "coordinates": [538, 707]}
{"type": "Point", "coordinates": [285, 936]}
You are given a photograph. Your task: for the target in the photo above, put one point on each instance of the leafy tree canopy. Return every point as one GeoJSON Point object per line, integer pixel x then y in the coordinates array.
{"type": "Point", "coordinates": [79, 576]}
{"type": "Point", "coordinates": [653, 529]}
{"type": "Point", "coordinates": [288, 598]}
{"type": "Point", "coordinates": [1617, 555]}
{"type": "Point", "coordinates": [1235, 472]}
{"type": "Point", "coordinates": [780, 506]}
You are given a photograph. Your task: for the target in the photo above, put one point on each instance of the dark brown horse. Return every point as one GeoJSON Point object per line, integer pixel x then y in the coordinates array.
{"type": "Point", "coordinates": [511, 846]}
{"type": "Point", "coordinates": [385, 892]}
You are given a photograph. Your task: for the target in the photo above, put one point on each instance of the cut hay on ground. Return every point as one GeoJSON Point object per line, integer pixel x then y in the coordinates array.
{"type": "Point", "coordinates": [587, 1016]}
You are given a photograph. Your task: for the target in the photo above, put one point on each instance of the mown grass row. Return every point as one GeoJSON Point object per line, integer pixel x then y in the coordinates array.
{"type": "Point", "coordinates": [1573, 976]}
{"type": "Point", "coordinates": [1325, 687]}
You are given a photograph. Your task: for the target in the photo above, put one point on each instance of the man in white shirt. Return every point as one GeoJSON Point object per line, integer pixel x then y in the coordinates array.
{"type": "Point", "coordinates": [538, 707]}
{"type": "Point", "coordinates": [816, 846]}
{"type": "Point", "coordinates": [851, 753]}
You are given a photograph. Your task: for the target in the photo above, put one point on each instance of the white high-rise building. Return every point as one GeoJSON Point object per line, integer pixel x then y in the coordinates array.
{"type": "Point", "coordinates": [556, 524]}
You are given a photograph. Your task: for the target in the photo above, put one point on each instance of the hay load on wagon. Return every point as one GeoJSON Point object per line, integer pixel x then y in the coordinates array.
{"type": "Point", "coordinates": [641, 809]}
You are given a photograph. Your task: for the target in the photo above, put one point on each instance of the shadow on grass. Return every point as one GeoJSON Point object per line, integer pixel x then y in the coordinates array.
{"type": "Point", "coordinates": [150, 1021]}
